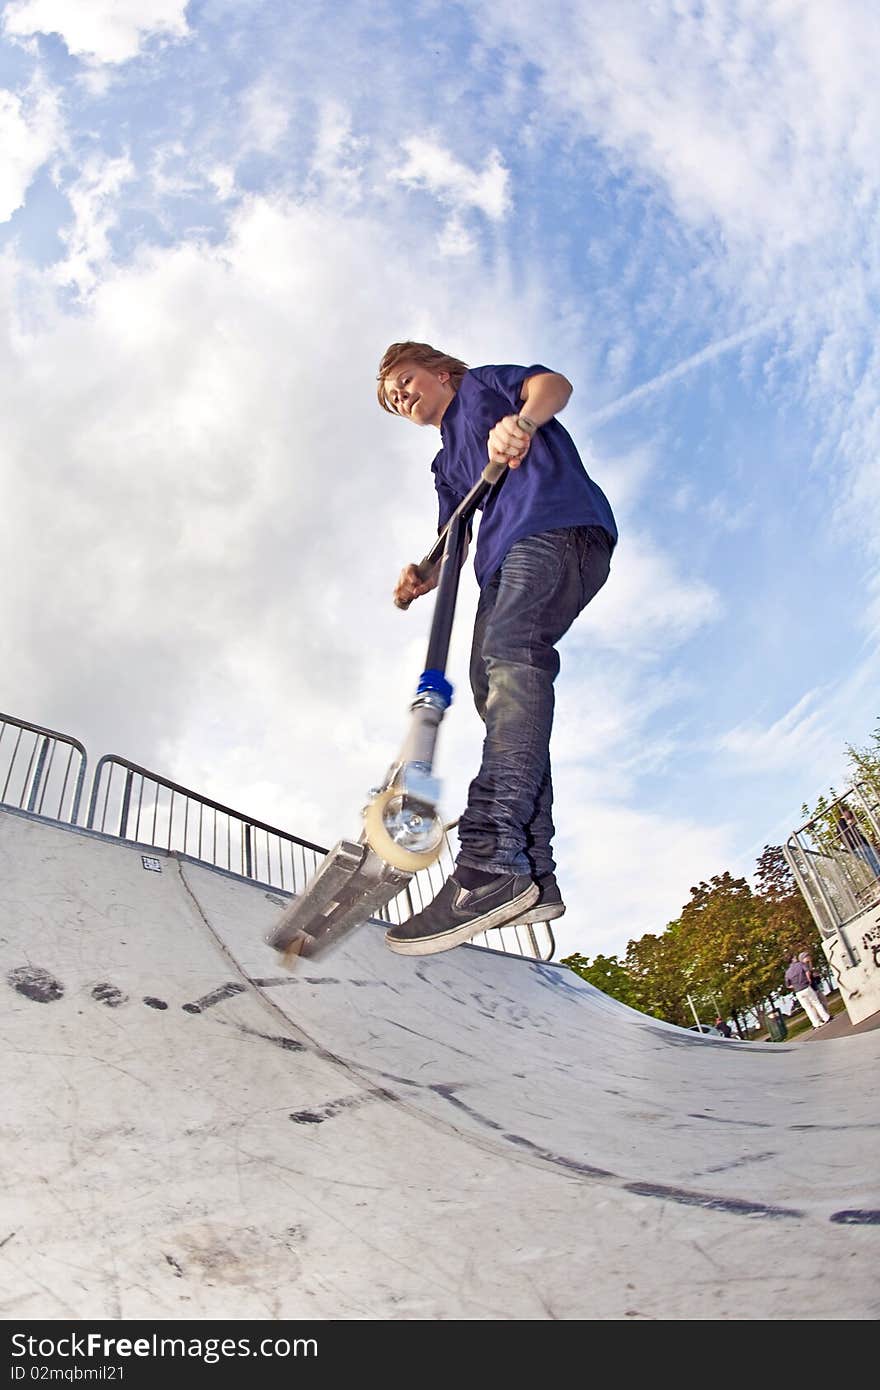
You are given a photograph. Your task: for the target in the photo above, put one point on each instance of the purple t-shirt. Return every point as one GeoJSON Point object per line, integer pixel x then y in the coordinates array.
{"type": "Point", "coordinates": [797, 976]}
{"type": "Point", "coordinates": [549, 490]}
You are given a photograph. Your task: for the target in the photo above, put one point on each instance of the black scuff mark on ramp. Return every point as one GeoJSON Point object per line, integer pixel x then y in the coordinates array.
{"type": "Point", "coordinates": [742, 1162]}
{"type": "Point", "coordinates": [725, 1120]}
{"type": "Point", "coordinates": [108, 994]}
{"type": "Point", "coordinates": [216, 996]}
{"type": "Point", "coordinates": [178, 1271]}
{"type": "Point", "coordinates": [572, 1165]}
{"type": "Point", "coordinates": [689, 1039]}
{"type": "Point", "coordinates": [447, 1092]}
{"type": "Point", "coordinates": [153, 1003]}
{"type": "Point", "coordinates": [35, 983]}
{"type": "Point", "coordinates": [427, 1037]}
{"type": "Point", "coordinates": [276, 1039]}
{"type": "Point", "coordinates": [338, 1107]}
{"type": "Point", "coordinates": [289, 1044]}
{"type": "Point", "coordinates": [273, 981]}
{"type": "Point", "coordinates": [856, 1218]}
{"type": "Point", "coordinates": [735, 1206]}
{"type": "Point", "coordinates": [835, 1129]}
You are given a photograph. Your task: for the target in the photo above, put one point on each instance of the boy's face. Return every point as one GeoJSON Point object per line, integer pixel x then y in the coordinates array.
{"type": "Point", "coordinates": [418, 394]}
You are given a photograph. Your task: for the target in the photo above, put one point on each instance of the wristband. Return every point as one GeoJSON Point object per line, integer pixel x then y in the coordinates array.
{"type": "Point", "coordinates": [524, 423]}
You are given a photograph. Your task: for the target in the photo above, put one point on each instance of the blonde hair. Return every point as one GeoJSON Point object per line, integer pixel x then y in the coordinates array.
{"type": "Point", "coordinates": [423, 355]}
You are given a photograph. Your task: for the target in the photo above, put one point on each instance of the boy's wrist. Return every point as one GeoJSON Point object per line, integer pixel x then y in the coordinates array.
{"type": "Point", "coordinates": [524, 423]}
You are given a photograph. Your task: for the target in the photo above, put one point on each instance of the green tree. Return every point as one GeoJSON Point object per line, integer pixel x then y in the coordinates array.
{"type": "Point", "coordinates": [788, 915]}
{"type": "Point", "coordinates": [865, 766]}
{"type": "Point", "coordinates": [608, 975]}
{"type": "Point", "coordinates": [659, 971]}
{"type": "Point", "coordinates": [790, 923]}
{"type": "Point", "coordinates": [727, 951]}
{"type": "Point", "coordinates": [724, 931]}
{"type": "Point", "coordinates": [865, 762]}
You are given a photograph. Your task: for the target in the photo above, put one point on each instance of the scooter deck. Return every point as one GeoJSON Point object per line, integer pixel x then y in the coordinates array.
{"type": "Point", "coordinates": [351, 885]}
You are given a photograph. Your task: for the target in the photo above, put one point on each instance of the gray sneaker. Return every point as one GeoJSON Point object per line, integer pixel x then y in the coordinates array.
{"type": "Point", "coordinates": [458, 913]}
{"type": "Point", "coordinates": [549, 903]}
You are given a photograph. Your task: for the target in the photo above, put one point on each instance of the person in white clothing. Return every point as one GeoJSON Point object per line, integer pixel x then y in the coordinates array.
{"type": "Point", "coordinates": [797, 977]}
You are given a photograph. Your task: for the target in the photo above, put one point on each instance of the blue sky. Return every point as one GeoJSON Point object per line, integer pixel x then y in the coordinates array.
{"type": "Point", "coordinates": [213, 219]}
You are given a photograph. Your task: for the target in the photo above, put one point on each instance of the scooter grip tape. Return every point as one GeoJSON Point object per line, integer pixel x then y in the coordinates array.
{"type": "Point", "coordinates": [492, 472]}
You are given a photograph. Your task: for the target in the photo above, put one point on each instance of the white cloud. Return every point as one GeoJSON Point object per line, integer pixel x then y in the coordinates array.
{"type": "Point", "coordinates": [197, 464]}
{"type": "Point", "coordinates": [455, 239]}
{"type": "Point", "coordinates": [337, 162]}
{"type": "Point", "coordinates": [736, 111]}
{"type": "Point", "coordinates": [105, 31]}
{"type": "Point", "coordinates": [222, 179]}
{"type": "Point", "coordinates": [648, 605]}
{"type": "Point", "coordinates": [93, 198]}
{"type": "Point", "coordinates": [625, 871]}
{"type": "Point", "coordinates": [431, 166]}
{"type": "Point", "coordinates": [31, 131]}
{"type": "Point", "coordinates": [793, 741]}
{"type": "Point", "coordinates": [266, 115]}
{"type": "Point", "coordinates": [755, 126]}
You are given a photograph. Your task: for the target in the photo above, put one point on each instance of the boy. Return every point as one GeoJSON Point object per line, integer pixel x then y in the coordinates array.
{"type": "Point", "coordinates": [543, 552]}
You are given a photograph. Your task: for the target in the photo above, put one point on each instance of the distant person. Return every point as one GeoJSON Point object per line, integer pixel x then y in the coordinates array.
{"type": "Point", "coordinates": [815, 978]}
{"type": "Point", "coordinates": [724, 1027]}
{"type": "Point", "coordinates": [853, 838]}
{"type": "Point", "coordinates": [797, 978]}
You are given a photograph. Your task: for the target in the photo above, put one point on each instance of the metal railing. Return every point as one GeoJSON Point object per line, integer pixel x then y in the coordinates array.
{"type": "Point", "coordinates": [37, 774]}
{"type": "Point", "coordinates": [135, 804]}
{"type": "Point", "coordinates": [835, 858]}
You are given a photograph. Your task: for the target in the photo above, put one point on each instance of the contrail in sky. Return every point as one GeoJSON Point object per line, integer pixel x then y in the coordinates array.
{"type": "Point", "coordinates": [689, 364]}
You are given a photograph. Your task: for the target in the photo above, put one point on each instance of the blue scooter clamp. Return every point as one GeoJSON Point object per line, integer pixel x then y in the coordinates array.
{"type": "Point", "coordinates": [436, 682]}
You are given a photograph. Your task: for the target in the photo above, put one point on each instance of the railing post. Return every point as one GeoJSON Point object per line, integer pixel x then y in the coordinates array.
{"type": "Point", "coordinates": [42, 779]}
{"type": "Point", "coordinates": [38, 775]}
{"type": "Point", "coordinates": [126, 801]}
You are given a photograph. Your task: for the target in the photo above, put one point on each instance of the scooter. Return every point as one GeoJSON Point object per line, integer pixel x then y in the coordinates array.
{"type": "Point", "coordinates": [402, 828]}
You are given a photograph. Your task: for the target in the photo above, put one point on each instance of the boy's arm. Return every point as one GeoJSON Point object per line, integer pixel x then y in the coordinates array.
{"type": "Point", "coordinates": [414, 581]}
{"type": "Point", "coordinates": [411, 585]}
{"type": "Point", "coordinates": [543, 396]}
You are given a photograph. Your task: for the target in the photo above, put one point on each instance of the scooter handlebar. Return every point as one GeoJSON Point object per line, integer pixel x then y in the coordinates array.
{"type": "Point", "coordinates": [490, 475]}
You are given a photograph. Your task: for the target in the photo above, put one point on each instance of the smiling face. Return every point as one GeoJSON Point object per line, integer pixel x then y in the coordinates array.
{"type": "Point", "coordinates": [419, 394]}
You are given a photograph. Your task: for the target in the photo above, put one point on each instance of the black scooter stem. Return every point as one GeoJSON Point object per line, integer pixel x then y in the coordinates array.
{"type": "Point", "coordinates": [492, 474]}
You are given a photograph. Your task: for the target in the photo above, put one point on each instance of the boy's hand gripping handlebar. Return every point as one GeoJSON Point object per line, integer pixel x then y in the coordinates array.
{"type": "Point", "coordinates": [491, 474]}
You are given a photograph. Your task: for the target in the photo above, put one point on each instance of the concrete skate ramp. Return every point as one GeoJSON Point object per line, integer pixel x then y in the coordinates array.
{"type": "Point", "coordinates": [190, 1132]}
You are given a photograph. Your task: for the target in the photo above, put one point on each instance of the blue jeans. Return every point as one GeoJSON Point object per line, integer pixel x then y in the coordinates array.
{"type": "Point", "coordinates": [530, 602]}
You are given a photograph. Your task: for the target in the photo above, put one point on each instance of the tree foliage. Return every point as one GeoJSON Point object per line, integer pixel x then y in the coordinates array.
{"type": "Point", "coordinates": [865, 767]}
{"type": "Point", "coordinates": [660, 972]}
{"type": "Point", "coordinates": [727, 951]}
{"type": "Point", "coordinates": [607, 974]}
{"type": "Point", "coordinates": [865, 762]}
{"type": "Point", "coordinates": [729, 948]}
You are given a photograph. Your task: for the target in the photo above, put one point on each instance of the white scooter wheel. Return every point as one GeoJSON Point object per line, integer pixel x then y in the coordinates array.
{"type": "Point", "coordinates": [403, 839]}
